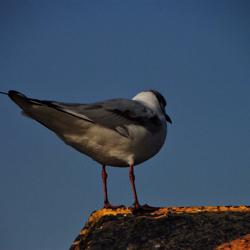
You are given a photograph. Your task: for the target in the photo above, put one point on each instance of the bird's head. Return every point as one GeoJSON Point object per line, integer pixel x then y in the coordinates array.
{"type": "Point", "coordinates": [154, 100]}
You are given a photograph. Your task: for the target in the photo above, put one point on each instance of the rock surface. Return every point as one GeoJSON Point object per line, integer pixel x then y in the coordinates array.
{"type": "Point", "coordinates": [175, 228]}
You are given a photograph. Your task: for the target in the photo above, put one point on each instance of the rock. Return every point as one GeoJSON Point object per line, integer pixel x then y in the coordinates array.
{"type": "Point", "coordinates": [175, 228]}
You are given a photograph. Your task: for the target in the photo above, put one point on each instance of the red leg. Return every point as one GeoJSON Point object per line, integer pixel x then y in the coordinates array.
{"type": "Point", "coordinates": [132, 182]}
{"type": "Point", "coordinates": [104, 181]}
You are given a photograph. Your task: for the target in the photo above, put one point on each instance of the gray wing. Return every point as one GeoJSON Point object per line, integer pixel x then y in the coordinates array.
{"type": "Point", "coordinates": [115, 114]}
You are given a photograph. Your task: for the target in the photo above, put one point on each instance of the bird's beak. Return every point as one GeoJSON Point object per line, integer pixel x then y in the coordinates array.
{"type": "Point", "coordinates": [168, 119]}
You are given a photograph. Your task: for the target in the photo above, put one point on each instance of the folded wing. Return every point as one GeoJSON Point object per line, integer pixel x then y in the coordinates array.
{"type": "Point", "coordinates": [116, 114]}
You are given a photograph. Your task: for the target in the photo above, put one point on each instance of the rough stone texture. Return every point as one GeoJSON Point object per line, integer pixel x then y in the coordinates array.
{"type": "Point", "coordinates": [183, 228]}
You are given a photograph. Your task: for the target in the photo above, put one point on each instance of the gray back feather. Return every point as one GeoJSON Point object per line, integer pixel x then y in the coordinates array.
{"type": "Point", "coordinates": [115, 114]}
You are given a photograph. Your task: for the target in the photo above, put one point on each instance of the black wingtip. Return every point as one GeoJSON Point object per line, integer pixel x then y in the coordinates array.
{"type": "Point", "coordinates": [13, 93]}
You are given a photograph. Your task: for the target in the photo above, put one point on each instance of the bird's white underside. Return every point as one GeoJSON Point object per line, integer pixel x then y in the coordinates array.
{"type": "Point", "coordinates": [110, 148]}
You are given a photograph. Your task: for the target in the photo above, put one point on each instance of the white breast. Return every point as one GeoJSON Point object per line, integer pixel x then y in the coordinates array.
{"type": "Point", "coordinates": [108, 147]}
{"type": "Point", "coordinates": [146, 144]}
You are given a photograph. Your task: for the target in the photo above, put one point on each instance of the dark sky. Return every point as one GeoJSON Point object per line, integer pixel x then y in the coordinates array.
{"type": "Point", "coordinates": [196, 53]}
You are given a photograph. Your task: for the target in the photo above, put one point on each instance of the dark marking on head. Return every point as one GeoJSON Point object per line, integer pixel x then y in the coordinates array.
{"type": "Point", "coordinates": [162, 101]}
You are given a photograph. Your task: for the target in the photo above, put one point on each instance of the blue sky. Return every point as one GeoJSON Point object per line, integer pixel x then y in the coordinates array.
{"type": "Point", "coordinates": [196, 53]}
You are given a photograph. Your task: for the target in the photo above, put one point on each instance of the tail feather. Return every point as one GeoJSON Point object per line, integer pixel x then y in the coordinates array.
{"type": "Point", "coordinates": [48, 114]}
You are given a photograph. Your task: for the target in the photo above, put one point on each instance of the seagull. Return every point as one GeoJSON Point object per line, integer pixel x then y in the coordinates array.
{"type": "Point", "coordinates": [116, 132]}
